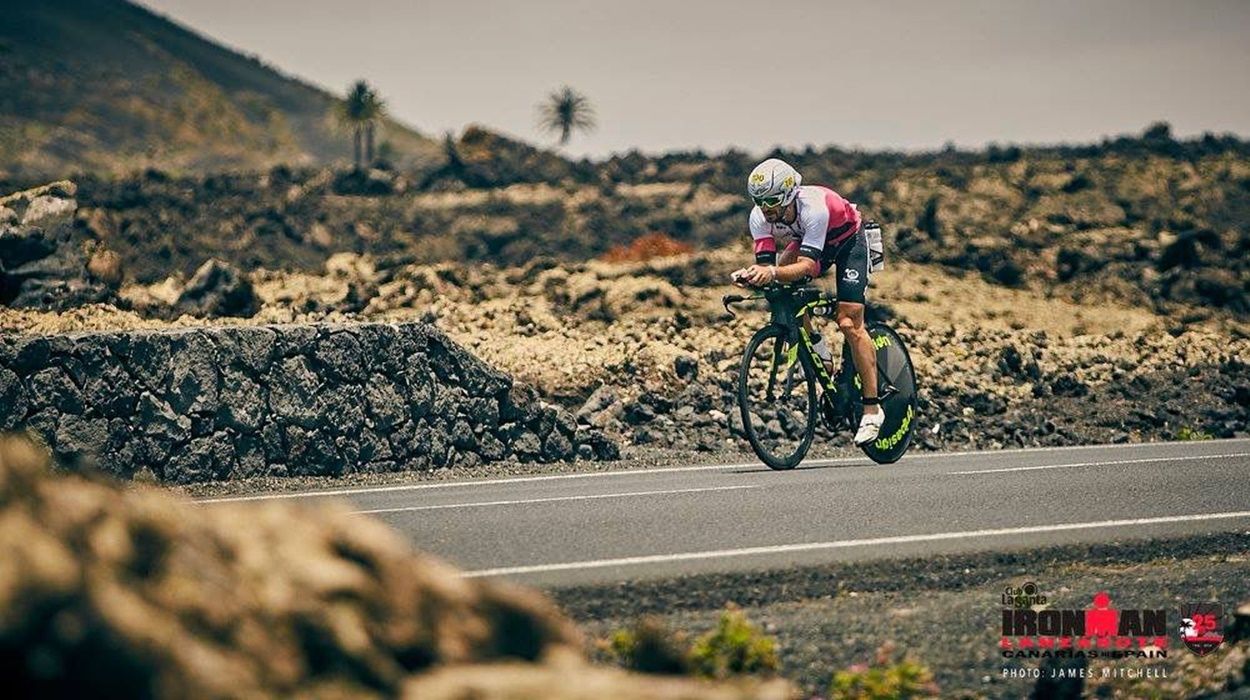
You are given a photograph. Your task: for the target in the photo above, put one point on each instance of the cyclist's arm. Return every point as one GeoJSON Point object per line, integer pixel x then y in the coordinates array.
{"type": "Point", "coordinates": [763, 243]}
{"type": "Point", "coordinates": [790, 259]}
{"type": "Point", "coordinates": [803, 267]}
{"type": "Point", "coordinates": [791, 265]}
{"type": "Point", "coordinates": [806, 260]}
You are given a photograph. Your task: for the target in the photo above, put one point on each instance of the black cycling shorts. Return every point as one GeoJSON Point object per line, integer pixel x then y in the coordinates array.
{"type": "Point", "coordinates": [849, 259]}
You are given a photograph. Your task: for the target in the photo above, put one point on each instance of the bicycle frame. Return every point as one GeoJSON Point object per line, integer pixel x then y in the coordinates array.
{"type": "Point", "coordinates": [788, 306]}
{"type": "Point", "coordinates": [826, 381]}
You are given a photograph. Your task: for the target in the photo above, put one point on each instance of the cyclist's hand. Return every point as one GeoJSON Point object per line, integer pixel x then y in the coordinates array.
{"type": "Point", "coordinates": [758, 275]}
{"type": "Point", "coordinates": [739, 277]}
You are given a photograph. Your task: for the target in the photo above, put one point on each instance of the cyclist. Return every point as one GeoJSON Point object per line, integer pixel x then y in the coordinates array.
{"type": "Point", "coordinates": [819, 230]}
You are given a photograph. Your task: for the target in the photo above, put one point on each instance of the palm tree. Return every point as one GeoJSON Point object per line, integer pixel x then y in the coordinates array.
{"type": "Point", "coordinates": [375, 111]}
{"type": "Point", "coordinates": [566, 110]}
{"type": "Point", "coordinates": [360, 112]}
{"type": "Point", "coordinates": [452, 151]}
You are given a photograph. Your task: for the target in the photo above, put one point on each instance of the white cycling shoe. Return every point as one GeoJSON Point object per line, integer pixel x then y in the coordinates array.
{"type": "Point", "coordinates": [869, 427]}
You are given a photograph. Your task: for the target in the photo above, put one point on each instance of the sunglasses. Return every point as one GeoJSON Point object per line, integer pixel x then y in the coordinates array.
{"type": "Point", "coordinates": [769, 202]}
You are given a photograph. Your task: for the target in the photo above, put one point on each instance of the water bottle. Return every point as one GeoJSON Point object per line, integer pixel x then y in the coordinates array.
{"type": "Point", "coordinates": [876, 247]}
{"type": "Point", "coordinates": [822, 350]}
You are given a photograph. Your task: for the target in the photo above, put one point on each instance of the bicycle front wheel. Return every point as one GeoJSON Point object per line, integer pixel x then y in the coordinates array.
{"type": "Point", "coordinates": [777, 398]}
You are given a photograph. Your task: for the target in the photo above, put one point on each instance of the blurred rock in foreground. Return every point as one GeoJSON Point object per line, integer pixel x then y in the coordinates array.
{"type": "Point", "coordinates": [106, 592]}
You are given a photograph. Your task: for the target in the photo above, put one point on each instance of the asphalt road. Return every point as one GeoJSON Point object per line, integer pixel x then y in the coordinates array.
{"type": "Point", "coordinates": [604, 527]}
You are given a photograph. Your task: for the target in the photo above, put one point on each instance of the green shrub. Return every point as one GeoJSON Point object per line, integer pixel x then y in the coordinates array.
{"type": "Point", "coordinates": [1188, 433]}
{"type": "Point", "coordinates": [735, 646]}
{"type": "Point", "coordinates": [887, 679]}
{"type": "Point", "coordinates": [649, 647]}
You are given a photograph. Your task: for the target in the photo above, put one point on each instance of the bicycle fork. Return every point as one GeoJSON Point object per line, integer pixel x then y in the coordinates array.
{"type": "Point", "coordinates": [791, 355]}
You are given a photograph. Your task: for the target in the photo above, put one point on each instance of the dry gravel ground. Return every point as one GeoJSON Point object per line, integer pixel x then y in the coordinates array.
{"type": "Point", "coordinates": [567, 329]}
{"type": "Point", "coordinates": [998, 366]}
{"type": "Point", "coordinates": [944, 611]}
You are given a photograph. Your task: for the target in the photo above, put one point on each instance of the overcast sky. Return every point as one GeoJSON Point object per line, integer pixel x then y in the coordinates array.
{"type": "Point", "coordinates": [681, 74]}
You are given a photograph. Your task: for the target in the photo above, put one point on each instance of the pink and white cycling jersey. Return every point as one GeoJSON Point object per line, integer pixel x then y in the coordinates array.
{"type": "Point", "coordinates": [823, 220]}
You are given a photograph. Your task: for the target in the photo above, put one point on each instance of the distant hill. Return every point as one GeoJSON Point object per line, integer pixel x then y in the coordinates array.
{"type": "Point", "coordinates": [107, 86]}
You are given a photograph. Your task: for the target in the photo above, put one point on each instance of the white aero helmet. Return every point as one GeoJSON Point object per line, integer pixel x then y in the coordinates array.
{"type": "Point", "coordinates": [774, 183]}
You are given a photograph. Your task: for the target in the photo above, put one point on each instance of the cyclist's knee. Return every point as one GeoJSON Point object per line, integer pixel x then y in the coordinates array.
{"type": "Point", "coordinates": [850, 318]}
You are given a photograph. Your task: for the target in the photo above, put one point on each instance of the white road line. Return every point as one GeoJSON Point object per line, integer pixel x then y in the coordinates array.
{"type": "Point", "coordinates": [1100, 464]}
{"type": "Point", "coordinates": [330, 493]}
{"type": "Point", "coordinates": [1067, 448]}
{"type": "Point", "coordinates": [844, 544]}
{"type": "Point", "coordinates": [553, 499]}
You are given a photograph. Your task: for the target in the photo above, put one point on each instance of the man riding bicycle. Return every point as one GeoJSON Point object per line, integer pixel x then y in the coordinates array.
{"type": "Point", "coordinates": [819, 230]}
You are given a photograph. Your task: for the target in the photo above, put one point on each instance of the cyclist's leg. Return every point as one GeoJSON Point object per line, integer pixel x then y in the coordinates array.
{"type": "Point", "coordinates": [851, 262]}
{"type": "Point", "coordinates": [809, 325]}
{"type": "Point", "coordinates": [789, 255]}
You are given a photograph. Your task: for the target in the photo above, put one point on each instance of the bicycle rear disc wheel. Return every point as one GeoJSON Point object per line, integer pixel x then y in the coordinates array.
{"type": "Point", "coordinates": [777, 398]}
{"type": "Point", "coordinates": [894, 368]}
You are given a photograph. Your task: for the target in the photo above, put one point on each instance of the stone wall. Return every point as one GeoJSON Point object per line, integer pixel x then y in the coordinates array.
{"type": "Point", "coordinates": [204, 404]}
